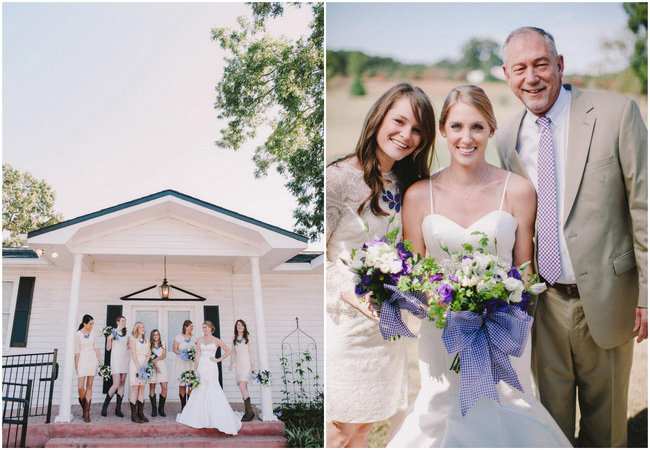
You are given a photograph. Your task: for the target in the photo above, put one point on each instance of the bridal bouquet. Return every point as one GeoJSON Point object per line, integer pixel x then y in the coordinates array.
{"type": "Point", "coordinates": [481, 303]}
{"type": "Point", "coordinates": [105, 372]}
{"type": "Point", "coordinates": [144, 372]}
{"type": "Point", "coordinates": [188, 354]}
{"type": "Point", "coordinates": [189, 379]}
{"type": "Point", "coordinates": [107, 330]}
{"type": "Point", "coordinates": [262, 377]}
{"type": "Point", "coordinates": [378, 267]}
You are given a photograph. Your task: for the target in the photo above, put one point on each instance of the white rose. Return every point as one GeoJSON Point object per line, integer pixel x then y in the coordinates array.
{"type": "Point", "coordinates": [537, 288]}
{"type": "Point", "coordinates": [512, 284]}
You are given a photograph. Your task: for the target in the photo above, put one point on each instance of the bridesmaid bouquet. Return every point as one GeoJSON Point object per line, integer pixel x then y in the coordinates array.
{"type": "Point", "coordinates": [152, 357]}
{"type": "Point", "coordinates": [188, 354]}
{"type": "Point", "coordinates": [378, 267]}
{"type": "Point", "coordinates": [105, 372]}
{"type": "Point", "coordinates": [145, 372]}
{"type": "Point", "coordinates": [189, 379]}
{"type": "Point", "coordinates": [107, 330]}
{"type": "Point", "coordinates": [262, 377]}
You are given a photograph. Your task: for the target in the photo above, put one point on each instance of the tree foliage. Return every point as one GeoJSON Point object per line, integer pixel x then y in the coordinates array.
{"type": "Point", "coordinates": [27, 204]}
{"type": "Point", "coordinates": [638, 23]}
{"type": "Point", "coordinates": [274, 82]}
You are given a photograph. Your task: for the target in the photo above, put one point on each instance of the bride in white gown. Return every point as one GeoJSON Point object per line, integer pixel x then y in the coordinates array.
{"type": "Point", "coordinates": [469, 196]}
{"type": "Point", "coordinates": [208, 406]}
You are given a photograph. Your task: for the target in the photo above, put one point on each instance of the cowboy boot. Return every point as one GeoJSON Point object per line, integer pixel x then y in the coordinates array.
{"type": "Point", "coordinates": [86, 410]}
{"type": "Point", "coordinates": [183, 401]}
{"type": "Point", "coordinates": [248, 411]}
{"type": "Point", "coordinates": [161, 406]}
{"type": "Point", "coordinates": [154, 411]}
{"type": "Point", "coordinates": [107, 400]}
{"type": "Point", "coordinates": [118, 406]}
{"type": "Point", "coordinates": [140, 406]}
{"type": "Point", "coordinates": [134, 413]}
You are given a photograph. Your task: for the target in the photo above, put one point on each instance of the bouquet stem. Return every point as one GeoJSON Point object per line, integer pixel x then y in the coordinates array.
{"type": "Point", "coordinates": [455, 364]}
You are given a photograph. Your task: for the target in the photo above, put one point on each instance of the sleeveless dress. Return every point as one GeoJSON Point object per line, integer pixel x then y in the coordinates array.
{"type": "Point", "coordinates": [84, 344]}
{"type": "Point", "coordinates": [436, 419]}
{"type": "Point", "coordinates": [141, 352]}
{"type": "Point", "coordinates": [159, 377]}
{"type": "Point", "coordinates": [208, 406]}
{"type": "Point", "coordinates": [120, 354]}
{"type": "Point", "coordinates": [180, 365]}
{"type": "Point", "coordinates": [243, 355]}
{"type": "Point", "coordinates": [367, 377]}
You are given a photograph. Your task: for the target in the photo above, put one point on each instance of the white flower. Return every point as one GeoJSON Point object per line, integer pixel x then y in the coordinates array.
{"type": "Point", "coordinates": [537, 288]}
{"type": "Point", "coordinates": [513, 284]}
{"type": "Point", "coordinates": [515, 296]}
{"type": "Point", "coordinates": [469, 281]}
{"type": "Point", "coordinates": [482, 262]}
{"type": "Point", "coordinates": [486, 284]}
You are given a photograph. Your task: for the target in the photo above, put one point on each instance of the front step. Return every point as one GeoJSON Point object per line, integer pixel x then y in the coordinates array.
{"type": "Point", "coordinates": [238, 441]}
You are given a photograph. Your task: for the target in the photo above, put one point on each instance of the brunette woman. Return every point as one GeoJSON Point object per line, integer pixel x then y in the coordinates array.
{"type": "Point", "coordinates": [86, 362]}
{"type": "Point", "coordinates": [243, 358]}
{"type": "Point", "coordinates": [367, 378]}
{"type": "Point", "coordinates": [183, 341]}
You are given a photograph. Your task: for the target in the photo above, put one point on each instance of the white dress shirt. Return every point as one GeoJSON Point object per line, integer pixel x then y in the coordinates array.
{"type": "Point", "coordinates": [528, 147]}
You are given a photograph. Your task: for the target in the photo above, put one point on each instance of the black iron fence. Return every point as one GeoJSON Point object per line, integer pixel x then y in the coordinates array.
{"type": "Point", "coordinates": [42, 370]}
{"type": "Point", "coordinates": [15, 412]}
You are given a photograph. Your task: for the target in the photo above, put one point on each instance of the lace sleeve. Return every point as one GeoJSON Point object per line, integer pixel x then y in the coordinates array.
{"type": "Point", "coordinates": [334, 199]}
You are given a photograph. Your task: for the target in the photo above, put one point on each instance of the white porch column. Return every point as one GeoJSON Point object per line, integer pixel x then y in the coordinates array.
{"type": "Point", "coordinates": [65, 415]}
{"type": "Point", "coordinates": [262, 352]}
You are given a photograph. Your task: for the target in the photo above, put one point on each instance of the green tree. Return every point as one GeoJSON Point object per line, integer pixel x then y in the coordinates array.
{"type": "Point", "coordinates": [481, 54]}
{"type": "Point", "coordinates": [27, 204]}
{"type": "Point", "coordinates": [279, 83]}
{"type": "Point", "coordinates": [638, 23]}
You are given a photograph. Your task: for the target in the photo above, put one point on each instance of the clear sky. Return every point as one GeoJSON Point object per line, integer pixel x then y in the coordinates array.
{"type": "Point", "coordinates": [429, 32]}
{"type": "Point", "coordinates": [112, 102]}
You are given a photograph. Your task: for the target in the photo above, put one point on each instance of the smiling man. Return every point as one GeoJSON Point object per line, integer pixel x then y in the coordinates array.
{"type": "Point", "coordinates": [586, 155]}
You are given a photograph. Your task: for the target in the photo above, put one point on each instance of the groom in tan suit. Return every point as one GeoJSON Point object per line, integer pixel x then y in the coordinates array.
{"type": "Point", "coordinates": [586, 154]}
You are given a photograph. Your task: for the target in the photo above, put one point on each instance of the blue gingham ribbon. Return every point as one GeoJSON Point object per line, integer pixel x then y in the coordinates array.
{"type": "Point", "coordinates": [484, 344]}
{"type": "Point", "coordinates": [390, 318]}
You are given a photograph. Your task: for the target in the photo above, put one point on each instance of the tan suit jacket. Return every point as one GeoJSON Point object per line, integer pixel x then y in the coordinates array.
{"type": "Point", "coordinates": [606, 204]}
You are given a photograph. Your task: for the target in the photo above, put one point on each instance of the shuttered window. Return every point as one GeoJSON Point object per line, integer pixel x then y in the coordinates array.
{"type": "Point", "coordinates": [20, 327]}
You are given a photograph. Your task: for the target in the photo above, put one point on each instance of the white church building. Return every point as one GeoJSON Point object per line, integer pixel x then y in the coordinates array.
{"type": "Point", "coordinates": [222, 266]}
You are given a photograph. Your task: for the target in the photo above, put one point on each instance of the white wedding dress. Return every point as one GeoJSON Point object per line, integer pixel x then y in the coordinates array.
{"type": "Point", "coordinates": [208, 406]}
{"type": "Point", "coordinates": [436, 419]}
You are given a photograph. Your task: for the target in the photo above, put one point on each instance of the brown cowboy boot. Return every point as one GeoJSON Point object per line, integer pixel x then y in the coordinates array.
{"type": "Point", "coordinates": [134, 413]}
{"type": "Point", "coordinates": [248, 411]}
{"type": "Point", "coordinates": [86, 410]}
{"type": "Point", "coordinates": [141, 415]}
{"type": "Point", "coordinates": [118, 406]}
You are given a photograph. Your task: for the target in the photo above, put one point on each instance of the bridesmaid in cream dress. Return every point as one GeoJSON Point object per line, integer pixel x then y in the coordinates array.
{"type": "Point", "coordinates": [117, 344]}
{"type": "Point", "coordinates": [140, 351]}
{"type": "Point", "coordinates": [367, 378]}
{"type": "Point", "coordinates": [158, 349]}
{"type": "Point", "coordinates": [86, 362]}
{"type": "Point", "coordinates": [243, 358]}
{"type": "Point", "coordinates": [183, 341]}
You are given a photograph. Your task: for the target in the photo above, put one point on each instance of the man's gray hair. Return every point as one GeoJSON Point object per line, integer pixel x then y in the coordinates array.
{"type": "Point", "coordinates": [548, 37]}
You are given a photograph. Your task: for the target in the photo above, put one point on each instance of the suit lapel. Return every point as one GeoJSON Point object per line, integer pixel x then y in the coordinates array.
{"type": "Point", "coordinates": [511, 155]}
{"type": "Point", "coordinates": [581, 126]}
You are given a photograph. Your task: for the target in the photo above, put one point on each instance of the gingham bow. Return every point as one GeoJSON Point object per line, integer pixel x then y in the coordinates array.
{"type": "Point", "coordinates": [390, 319]}
{"type": "Point", "coordinates": [484, 344]}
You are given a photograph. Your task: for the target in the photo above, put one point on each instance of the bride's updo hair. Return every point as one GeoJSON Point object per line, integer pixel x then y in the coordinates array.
{"type": "Point", "coordinates": [209, 325]}
{"type": "Point", "coordinates": [471, 95]}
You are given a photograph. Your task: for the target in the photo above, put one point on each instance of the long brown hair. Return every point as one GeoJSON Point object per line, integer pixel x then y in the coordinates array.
{"type": "Point", "coordinates": [117, 321]}
{"type": "Point", "coordinates": [244, 334]}
{"type": "Point", "coordinates": [186, 324]}
{"type": "Point", "coordinates": [408, 170]}
{"type": "Point", "coordinates": [155, 330]}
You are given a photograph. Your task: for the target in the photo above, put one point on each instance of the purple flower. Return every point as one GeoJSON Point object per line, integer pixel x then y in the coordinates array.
{"type": "Point", "coordinates": [375, 242]}
{"type": "Point", "coordinates": [446, 292]}
{"type": "Point", "coordinates": [366, 280]}
{"type": "Point", "coordinates": [493, 305]}
{"type": "Point", "coordinates": [436, 277]}
{"type": "Point", "coordinates": [453, 278]}
{"type": "Point", "coordinates": [525, 302]}
{"type": "Point", "coordinates": [514, 273]}
{"type": "Point", "coordinates": [360, 290]}
{"type": "Point", "coordinates": [465, 257]}
{"type": "Point", "coordinates": [402, 252]}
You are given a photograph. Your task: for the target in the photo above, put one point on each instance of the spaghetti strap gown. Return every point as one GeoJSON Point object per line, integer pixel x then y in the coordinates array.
{"type": "Point", "coordinates": [436, 419]}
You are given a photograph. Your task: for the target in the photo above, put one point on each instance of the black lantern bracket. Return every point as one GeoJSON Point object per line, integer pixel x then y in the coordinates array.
{"type": "Point", "coordinates": [195, 297]}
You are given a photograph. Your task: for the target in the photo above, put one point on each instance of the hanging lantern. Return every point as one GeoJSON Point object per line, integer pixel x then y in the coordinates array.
{"type": "Point", "coordinates": [165, 289]}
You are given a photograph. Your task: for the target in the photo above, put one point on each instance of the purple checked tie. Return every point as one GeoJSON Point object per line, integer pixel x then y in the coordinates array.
{"type": "Point", "coordinates": [547, 224]}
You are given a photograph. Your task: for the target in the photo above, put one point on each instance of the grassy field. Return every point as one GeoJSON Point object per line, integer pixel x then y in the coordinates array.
{"type": "Point", "coordinates": [344, 118]}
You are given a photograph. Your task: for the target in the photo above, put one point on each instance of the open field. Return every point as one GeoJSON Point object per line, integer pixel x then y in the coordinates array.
{"type": "Point", "coordinates": [344, 120]}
